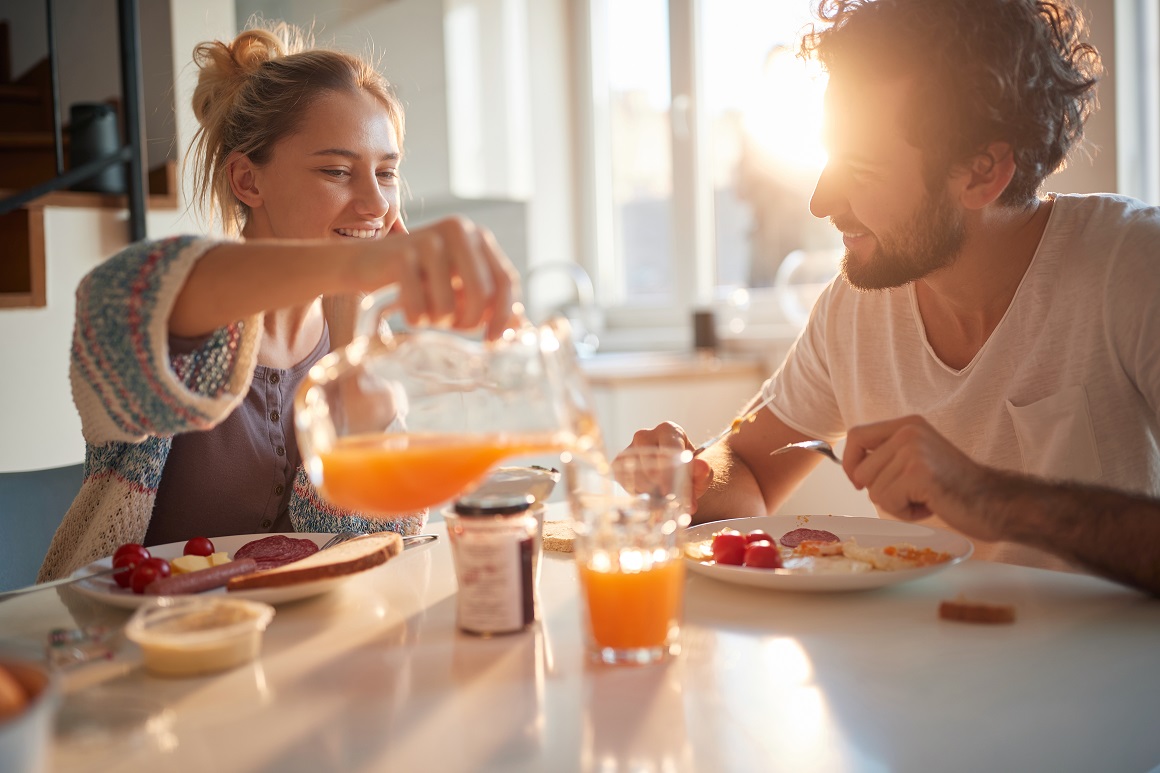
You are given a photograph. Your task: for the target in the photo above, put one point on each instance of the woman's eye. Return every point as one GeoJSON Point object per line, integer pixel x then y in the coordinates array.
{"type": "Point", "coordinates": [336, 172]}
{"type": "Point", "coordinates": [389, 174]}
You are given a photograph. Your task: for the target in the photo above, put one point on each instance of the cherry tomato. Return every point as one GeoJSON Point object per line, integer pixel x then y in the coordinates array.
{"type": "Point", "coordinates": [131, 560]}
{"type": "Point", "coordinates": [762, 554]}
{"type": "Point", "coordinates": [729, 548]}
{"type": "Point", "coordinates": [199, 546]}
{"type": "Point", "coordinates": [132, 548]}
{"type": "Point", "coordinates": [147, 571]}
{"type": "Point", "coordinates": [757, 535]}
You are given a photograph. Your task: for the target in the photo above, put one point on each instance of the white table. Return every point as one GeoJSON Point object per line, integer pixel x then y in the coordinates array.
{"type": "Point", "coordinates": [375, 676]}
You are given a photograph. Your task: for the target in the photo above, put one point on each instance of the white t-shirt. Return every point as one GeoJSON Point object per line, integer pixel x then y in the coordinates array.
{"type": "Point", "coordinates": [1067, 386]}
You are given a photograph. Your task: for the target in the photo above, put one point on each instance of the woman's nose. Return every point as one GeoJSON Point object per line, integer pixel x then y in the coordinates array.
{"type": "Point", "coordinates": [827, 199]}
{"type": "Point", "coordinates": [371, 200]}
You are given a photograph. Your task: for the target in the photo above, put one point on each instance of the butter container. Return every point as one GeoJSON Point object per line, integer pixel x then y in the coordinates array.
{"type": "Point", "coordinates": [192, 635]}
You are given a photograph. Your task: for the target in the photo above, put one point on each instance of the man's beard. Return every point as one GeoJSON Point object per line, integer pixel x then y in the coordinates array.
{"type": "Point", "coordinates": [932, 240]}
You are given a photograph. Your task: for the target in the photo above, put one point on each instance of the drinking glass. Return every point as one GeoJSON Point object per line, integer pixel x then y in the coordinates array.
{"type": "Point", "coordinates": [405, 420]}
{"type": "Point", "coordinates": [631, 517]}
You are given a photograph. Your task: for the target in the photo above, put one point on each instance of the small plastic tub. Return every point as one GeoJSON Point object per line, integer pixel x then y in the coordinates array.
{"type": "Point", "coordinates": [192, 636]}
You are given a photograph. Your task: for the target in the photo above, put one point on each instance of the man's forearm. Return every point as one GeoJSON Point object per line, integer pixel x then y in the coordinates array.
{"type": "Point", "coordinates": [734, 492]}
{"type": "Point", "coordinates": [1110, 533]}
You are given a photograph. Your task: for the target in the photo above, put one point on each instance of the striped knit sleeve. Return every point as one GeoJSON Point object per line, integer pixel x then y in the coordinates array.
{"type": "Point", "coordinates": [125, 384]}
{"type": "Point", "coordinates": [310, 513]}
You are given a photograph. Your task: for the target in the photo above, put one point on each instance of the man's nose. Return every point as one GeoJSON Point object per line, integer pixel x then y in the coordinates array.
{"type": "Point", "coordinates": [827, 199]}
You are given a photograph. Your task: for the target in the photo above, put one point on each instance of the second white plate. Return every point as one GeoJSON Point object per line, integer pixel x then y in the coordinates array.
{"type": "Point", "coordinates": [870, 532]}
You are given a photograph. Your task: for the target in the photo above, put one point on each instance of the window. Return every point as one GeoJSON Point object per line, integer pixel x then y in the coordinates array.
{"type": "Point", "coordinates": [704, 147]}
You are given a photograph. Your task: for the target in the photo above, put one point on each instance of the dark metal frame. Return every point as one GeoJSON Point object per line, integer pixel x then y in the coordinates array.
{"type": "Point", "coordinates": [130, 154]}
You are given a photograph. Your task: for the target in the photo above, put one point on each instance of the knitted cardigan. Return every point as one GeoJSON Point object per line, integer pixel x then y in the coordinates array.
{"type": "Point", "coordinates": [133, 396]}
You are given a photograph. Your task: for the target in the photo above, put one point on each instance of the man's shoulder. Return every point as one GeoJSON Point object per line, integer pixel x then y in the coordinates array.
{"type": "Point", "coordinates": [1104, 210]}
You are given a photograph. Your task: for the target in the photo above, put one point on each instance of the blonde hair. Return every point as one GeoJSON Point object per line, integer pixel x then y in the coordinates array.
{"type": "Point", "coordinates": [253, 92]}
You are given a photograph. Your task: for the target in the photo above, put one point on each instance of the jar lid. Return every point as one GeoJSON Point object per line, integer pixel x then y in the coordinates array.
{"type": "Point", "coordinates": [499, 504]}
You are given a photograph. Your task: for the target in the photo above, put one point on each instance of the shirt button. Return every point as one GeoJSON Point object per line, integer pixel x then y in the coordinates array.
{"type": "Point", "coordinates": [275, 378]}
{"type": "Point", "coordinates": [280, 451]}
{"type": "Point", "coordinates": [267, 523]}
{"type": "Point", "coordinates": [274, 416]}
{"type": "Point", "coordinates": [279, 489]}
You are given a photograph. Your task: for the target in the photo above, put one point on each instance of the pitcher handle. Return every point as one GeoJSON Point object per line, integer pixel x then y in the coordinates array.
{"type": "Point", "coordinates": [372, 309]}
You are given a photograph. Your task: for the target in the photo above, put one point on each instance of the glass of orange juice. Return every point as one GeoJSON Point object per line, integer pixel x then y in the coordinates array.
{"type": "Point", "coordinates": [631, 516]}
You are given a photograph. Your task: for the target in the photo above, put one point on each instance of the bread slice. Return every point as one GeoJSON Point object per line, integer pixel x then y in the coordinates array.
{"type": "Point", "coordinates": [964, 611]}
{"type": "Point", "coordinates": [559, 536]}
{"type": "Point", "coordinates": [351, 557]}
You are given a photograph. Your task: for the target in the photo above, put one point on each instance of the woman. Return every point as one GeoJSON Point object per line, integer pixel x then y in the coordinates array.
{"type": "Point", "coordinates": [187, 351]}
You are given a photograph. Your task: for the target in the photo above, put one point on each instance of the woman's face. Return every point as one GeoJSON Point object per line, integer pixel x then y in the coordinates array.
{"type": "Point", "coordinates": [337, 177]}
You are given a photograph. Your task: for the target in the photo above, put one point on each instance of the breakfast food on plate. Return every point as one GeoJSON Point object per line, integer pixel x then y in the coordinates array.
{"type": "Point", "coordinates": [965, 611]}
{"type": "Point", "coordinates": [559, 536]}
{"type": "Point", "coordinates": [808, 551]}
{"type": "Point", "coordinates": [201, 580]}
{"type": "Point", "coordinates": [198, 546]}
{"type": "Point", "coordinates": [13, 697]}
{"type": "Point", "coordinates": [791, 539]}
{"type": "Point", "coordinates": [893, 557]}
{"type": "Point", "coordinates": [276, 550]}
{"type": "Point", "coordinates": [356, 555]}
{"type": "Point", "coordinates": [192, 563]}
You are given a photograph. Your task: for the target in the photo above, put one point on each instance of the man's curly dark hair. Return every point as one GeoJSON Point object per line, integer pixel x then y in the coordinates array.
{"type": "Point", "coordinates": [983, 71]}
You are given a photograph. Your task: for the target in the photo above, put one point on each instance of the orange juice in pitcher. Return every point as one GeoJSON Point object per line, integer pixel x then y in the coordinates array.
{"type": "Point", "coordinates": [404, 473]}
{"type": "Point", "coordinates": [397, 422]}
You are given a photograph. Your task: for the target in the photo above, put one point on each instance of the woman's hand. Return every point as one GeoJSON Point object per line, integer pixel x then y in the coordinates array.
{"type": "Point", "coordinates": [449, 272]}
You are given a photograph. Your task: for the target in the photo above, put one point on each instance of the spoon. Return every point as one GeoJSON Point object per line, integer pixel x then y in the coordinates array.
{"type": "Point", "coordinates": [734, 426]}
{"type": "Point", "coordinates": [821, 446]}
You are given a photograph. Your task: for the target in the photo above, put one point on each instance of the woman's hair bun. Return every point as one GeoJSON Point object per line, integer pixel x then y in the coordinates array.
{"type": "Point", "coordinates": [225, 67]}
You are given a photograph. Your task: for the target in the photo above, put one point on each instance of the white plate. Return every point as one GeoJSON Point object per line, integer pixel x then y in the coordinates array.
{"type": "Point", "coordinates": [870, 532]}
{"type": "Point", "coordinates": [105, 589]}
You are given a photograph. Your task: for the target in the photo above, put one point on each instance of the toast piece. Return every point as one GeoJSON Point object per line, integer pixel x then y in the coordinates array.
{"type": "Point", "coordinates": [965, 611]}
{"type": "Point", "coordinates": [351, 557]}
{"type": "Point", "coordinates": [559, 536]}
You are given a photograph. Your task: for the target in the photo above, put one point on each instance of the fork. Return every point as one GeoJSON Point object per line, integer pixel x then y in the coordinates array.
{"type": "Point", "coordinates": [341, 537]}
{"type": "Point", "coordinates": [821, 446]}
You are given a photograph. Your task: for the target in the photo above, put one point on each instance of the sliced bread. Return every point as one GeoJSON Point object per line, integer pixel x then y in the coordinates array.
{"type": "Point", "coordinates": [559, 536]}
{"type": "Point", "coordinates": [356, 555]}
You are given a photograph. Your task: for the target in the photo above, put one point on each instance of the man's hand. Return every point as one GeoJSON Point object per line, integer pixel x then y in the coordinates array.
{"type": "Point", "coordinates": [911, 471]}
{"type": "Point", "coordinates": [670, 435]}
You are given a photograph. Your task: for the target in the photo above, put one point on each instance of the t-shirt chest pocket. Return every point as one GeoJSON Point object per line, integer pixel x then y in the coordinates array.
{"type": "Point", "coordinates": [1056, 438]}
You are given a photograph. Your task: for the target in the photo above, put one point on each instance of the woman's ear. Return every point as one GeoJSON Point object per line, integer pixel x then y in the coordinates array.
{"type": "Point", "coordinates": [243, 179]}
{"type": "Point", "coordinates": [987, 175]}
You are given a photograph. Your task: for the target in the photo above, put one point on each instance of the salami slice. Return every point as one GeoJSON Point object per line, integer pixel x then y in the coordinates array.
{"type": "Point", "coordinates": [276, 550]}
{"type": "Point", "coordinates": [791, 539]}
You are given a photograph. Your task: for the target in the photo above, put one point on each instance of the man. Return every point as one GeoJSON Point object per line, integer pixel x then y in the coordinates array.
{"type": "Point", "coordinates": [992, 355]}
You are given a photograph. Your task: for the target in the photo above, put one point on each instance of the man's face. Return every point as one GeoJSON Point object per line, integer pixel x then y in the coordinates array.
{"type": "Point", "coordinates": [872, 189]}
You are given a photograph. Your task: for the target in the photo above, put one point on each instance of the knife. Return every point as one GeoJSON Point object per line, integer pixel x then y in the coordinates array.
{"type": "Point", "coordinates": [5, 595]}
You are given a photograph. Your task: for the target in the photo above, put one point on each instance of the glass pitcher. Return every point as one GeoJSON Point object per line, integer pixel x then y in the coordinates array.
{"type": "Point", "coordinates": [401, 421]}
